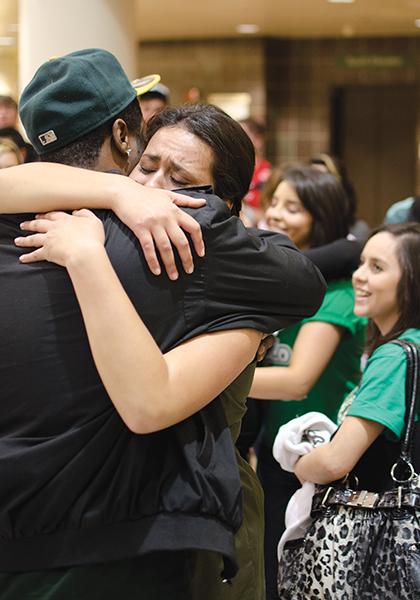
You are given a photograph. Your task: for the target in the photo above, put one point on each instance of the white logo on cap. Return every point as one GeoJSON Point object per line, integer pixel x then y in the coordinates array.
{"type": "Point", "coordinates": [48, 137]}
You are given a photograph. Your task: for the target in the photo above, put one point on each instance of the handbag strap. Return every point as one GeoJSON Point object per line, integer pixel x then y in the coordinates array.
{"type": "Point", "coordinates": [411, 407]}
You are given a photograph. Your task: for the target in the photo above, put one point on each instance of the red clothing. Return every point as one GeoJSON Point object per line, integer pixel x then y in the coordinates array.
{"type": "Point", "coordinates": [261, 174]}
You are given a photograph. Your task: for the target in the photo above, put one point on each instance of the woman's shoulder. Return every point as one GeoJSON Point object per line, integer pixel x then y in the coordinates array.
{"type": "Point", "coordinates": [380, 396]}
{"type": "Point", "coordinates": [391, 350]}
{"type": "Point", "coordinates": [411, 335]}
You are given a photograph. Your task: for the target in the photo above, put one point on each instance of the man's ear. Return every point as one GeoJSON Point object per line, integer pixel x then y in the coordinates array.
{"type": "Point", "coordinates": [120, 137]}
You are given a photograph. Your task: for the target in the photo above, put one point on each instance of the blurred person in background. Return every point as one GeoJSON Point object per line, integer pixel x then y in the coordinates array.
{"type": "Point", "coordinates": [154, 101]}
{"type": "Point", "coordinates": [8, 112]}
{"type": "Point", "coordinates": [415, 210]}
{"type": "Point", "coordinates": [27, 150]}
{"type": "Point", "coordinates": [256, 132]}
{"type": "Point", "coordinates": [337, 259]}
{"type": "Point", "coordinates": [10, 155]}
{"type": "Point", "coordinates": [313, 365]}
{"type": "Point", "coordinates": [403, 211]}
{"type": "Point", "coordinates": [334, 165]}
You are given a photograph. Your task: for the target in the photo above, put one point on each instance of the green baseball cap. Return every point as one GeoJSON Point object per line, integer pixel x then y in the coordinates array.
{"type": "Point", "coordinates": [72, 95]}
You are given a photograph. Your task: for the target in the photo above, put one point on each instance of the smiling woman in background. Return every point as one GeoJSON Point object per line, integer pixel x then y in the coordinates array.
{"type": "Point", "coordinates": [315, 363]}
{"type": "Point", "coordinates": [387, 291]}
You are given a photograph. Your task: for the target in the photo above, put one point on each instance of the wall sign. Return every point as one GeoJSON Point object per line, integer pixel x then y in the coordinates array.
{"type": "Point", "coordinates": [374, 61]}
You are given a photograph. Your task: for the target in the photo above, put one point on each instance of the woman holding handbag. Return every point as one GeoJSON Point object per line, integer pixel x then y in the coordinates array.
{"type": "Point", "coordinates": [314, 364]}
{"type": "Point", "coordinates": [365, 543]}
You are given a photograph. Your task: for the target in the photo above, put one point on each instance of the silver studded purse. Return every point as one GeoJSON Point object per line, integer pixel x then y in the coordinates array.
{"type": "Point", "coordinates": [362, 544]}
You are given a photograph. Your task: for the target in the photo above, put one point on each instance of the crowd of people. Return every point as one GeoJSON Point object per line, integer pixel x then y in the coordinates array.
{"type": "Point", "coordinates": [137, 303]}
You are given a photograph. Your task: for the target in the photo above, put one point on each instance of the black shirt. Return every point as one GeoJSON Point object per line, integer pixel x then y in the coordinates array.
{"type": "Point", "coordinates": [77, 486]}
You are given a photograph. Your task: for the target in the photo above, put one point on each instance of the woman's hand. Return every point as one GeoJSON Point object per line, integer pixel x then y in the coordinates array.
{"type": "Point", "coordinates": [62, 238]}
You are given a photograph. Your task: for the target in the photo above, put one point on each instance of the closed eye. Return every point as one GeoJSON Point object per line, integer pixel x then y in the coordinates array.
{"type": "Point", "coordinates": [178, 182]}
{"type": "Point", "coordinates": [146, 171]}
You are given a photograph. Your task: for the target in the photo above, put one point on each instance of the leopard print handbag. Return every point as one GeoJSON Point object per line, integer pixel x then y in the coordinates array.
{"type": "Point", "coordinates": [363, 545]}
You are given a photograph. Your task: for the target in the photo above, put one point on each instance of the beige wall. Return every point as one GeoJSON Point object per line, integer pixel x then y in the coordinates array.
{"type": "Point", "coordinates": [212, 66]}
{"type": "Point", "coordinates": [8, 73]}
{"type": "Point", "coordinates": [56, 27]}
{"type": "Point", "coordinates": [301, 78]}
{"type": "Point", "coordinates": [291, 81]}
{"type": "Point", "coordinates": [301, 74]}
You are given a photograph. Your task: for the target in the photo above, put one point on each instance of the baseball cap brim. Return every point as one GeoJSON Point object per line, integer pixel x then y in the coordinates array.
{"type": "Point", "coordinates": [144, 84]}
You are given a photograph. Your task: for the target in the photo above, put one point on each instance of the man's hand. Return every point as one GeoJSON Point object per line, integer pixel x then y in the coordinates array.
{"type": "Point", "coordinates": [154, 217]}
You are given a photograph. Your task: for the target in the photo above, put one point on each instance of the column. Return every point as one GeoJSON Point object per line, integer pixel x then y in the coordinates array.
{"type": "Point", "coordinates": [56, 27]}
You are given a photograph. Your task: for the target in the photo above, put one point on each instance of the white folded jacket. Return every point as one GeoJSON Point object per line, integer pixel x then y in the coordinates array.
{"type": "Point", "coordinates": [294, 439]}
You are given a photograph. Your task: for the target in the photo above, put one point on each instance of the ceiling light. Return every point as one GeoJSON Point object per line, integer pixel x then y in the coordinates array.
{"type": "Point", "coordinates": [247, 28]}
{"type": "Point", "coordinates": [417, 22]}
{"type": "Point", "coordinates": [340, 1]}
{"type": "Point", "coordinates": [7, 41]}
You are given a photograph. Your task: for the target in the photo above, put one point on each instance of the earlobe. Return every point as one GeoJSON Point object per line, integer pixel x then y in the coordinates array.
{"type": "Point", "coordinates": [120, 137]}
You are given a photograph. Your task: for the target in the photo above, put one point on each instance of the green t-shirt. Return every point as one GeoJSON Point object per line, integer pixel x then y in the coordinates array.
{"type": "Point", "coordinates": [381, 394]}
{"type": "Point", "coordinates": [342, 373]}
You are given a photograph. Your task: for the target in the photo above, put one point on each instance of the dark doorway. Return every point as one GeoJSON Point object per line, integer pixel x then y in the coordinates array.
{"type": "Point", "coordinates": [374, 132]}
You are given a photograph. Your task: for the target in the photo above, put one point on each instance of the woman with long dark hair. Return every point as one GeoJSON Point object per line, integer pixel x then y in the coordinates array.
{"type": "Point", "coordinates": [314, 364]}
{"type": "Point", "coordinates": [371, 419]}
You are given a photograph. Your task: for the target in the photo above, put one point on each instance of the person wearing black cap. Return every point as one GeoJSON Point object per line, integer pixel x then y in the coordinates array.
{"type": "Point", "coordinates": [81, 490]}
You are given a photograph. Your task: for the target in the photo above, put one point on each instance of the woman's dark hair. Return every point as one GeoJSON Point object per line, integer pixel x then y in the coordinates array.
{"type": "Point", "coordinates": [408, 288]}
{"type": "Point", "coordinates": [336, 167]}
{"type": "Point", "coordinates": [323, 197]}
{"type": "Point", "coordinates": [270, 186]}
{"type": "Point", "coordinates": [234, 155]}
{"type": "Point", "coordinates": [84, 152]}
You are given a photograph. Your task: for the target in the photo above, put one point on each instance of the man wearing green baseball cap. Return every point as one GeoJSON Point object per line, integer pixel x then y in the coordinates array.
{"type": "Point", "coordinates": [74, 96]}
{"type": "Point", "coordinates": [76, 521]}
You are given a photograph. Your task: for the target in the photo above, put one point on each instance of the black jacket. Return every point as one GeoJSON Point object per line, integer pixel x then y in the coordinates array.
{"type": "Point", "coordinates": [77, 486]}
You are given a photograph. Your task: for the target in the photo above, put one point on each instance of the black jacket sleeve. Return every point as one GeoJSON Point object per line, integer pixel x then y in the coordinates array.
{"type": "Point", "coordinates": [337, 260]}
{"type": "Point", "coordinates": [253, 278]}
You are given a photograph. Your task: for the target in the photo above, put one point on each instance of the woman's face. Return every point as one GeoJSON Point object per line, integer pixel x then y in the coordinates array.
{"type": "Point", "coordinates": [286, 214]}
{"type": "Point", "coordinates": [376, 280]}
{"type": "Point", "coordinates": [175, 158]}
